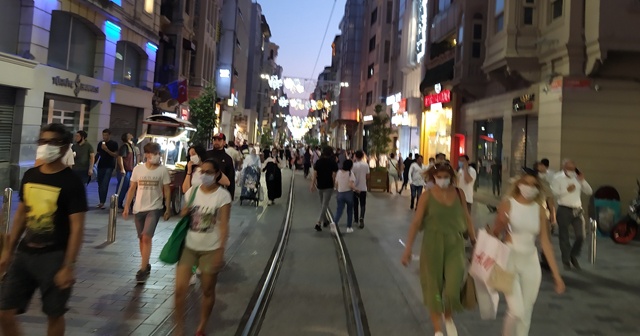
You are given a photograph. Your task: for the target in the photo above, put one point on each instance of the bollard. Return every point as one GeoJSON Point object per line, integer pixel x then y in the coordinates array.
{"type": "Point", "coordinates": [113, 217]}
{"type": "Point", "coordinates": [6, 210]}
{"type": "Point", "coordinates": [594, 236]}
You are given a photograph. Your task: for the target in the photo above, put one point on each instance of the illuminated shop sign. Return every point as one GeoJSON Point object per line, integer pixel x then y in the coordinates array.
{"type": "Point", "coordinates": [394, 99]}
{"type": "Point", "coordinates": [400, 119]}
{"type": "Point", "coordinates": [443, 97]}
{"type": "Point", "coordinates": [524, 102]}
{"type": "Point", "coordinates": [421, 34]}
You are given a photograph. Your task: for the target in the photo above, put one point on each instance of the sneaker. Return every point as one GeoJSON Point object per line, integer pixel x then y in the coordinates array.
{"type": "Point", "coordinates": [318, 228]}
{"type": "Point", "coordinates": [334, 229]}
{"type": "Point", "coordinates": [349, 230]}
{"type": "Point", "coordinates": [361, 223]}
{"type": "Point", "coordinates": [193, 280]}
{"type": "Point", "coordinates": [575, 263]}
{"type": "Point", "coordinates": [143, 275]}
{"type": "Point", "coordinates": [450, 327]}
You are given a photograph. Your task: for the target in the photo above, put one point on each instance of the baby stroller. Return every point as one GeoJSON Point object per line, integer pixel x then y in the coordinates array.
{"type": "Point", "coordinates": [250, 185]}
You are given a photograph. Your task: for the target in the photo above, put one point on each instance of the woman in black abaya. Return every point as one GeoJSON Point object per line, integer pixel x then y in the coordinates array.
{"type": "Point", "coordinates": [273, 176]}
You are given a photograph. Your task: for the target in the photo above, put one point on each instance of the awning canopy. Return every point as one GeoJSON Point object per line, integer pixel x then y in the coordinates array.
{"type": "Point", "coordinates": [438, 74]}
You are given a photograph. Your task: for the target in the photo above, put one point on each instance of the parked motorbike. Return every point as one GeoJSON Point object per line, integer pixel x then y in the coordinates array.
{"type": "Point", "coordinates": [626, 229]}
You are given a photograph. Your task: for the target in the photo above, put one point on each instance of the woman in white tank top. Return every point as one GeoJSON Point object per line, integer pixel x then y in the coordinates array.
{"type": "Point", "coordinates": [522, 219]}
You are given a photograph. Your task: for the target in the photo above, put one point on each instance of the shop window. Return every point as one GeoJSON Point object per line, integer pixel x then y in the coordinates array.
{"type": "Point", "coordinates": [556, 9]}
{"type": "Point", "coordinates": [372, 43]}
{"type": "Point", "coordinates": [10, 26]}
{"type": "Point", "coordinates": [374, 16]}
{"type": "Point", "coordinates": [75, 44]}
{"type": "Point", "coordinates": [499, 15]}
{"type": "Point", "coordinates": [128, 64]}
{"type": "Point", "coordinates": [524, 143]}
{"type": "Point", "coordinates": [436, 128]}
{"type": "Point", "coordinates": [387, 51]}
{"type": "Point", "coordinates": [488, 154]}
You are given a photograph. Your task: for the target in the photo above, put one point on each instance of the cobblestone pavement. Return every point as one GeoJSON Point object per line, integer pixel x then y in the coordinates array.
{"type": "Point", "coordinates": [600, 300]}
{"type": "Point", "coordinates": [105, 299]}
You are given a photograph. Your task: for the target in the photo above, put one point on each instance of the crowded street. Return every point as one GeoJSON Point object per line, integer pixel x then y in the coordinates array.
{"type": "Point", "coordinates": [308, 297]}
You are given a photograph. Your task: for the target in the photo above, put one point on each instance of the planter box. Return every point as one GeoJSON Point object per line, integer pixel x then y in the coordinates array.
{"type": "Point", "coordinates": [378, 180]}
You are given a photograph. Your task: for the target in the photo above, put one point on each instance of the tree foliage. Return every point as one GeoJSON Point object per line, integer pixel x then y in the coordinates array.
{"type": "Point", "coordinates": [310, 140]}
{"type": "Point", "coordinates": [379, 133]}
{"type": "Point", "coordinates": [203, 116]}
{"type": "Point", "coordinates": [266, 139]}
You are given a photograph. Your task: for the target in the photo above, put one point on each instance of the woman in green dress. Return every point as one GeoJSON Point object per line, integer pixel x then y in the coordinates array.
{"type": "Point", "coordinates": [443, 217]}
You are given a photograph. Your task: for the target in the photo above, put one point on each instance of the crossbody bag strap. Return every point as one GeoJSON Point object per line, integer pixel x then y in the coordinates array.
{"type": "Point", "coordinates": [192, 197]}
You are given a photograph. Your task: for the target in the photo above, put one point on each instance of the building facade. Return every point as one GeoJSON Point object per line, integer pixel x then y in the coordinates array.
{"type": "Point", "coordinates": [233, 65]}
{"type": "Point", "coordinates": [346, 130]}
{"type": "Point", "coordinates": [49, 78]}
{"type": "Point", "coordinates": [563, 84]}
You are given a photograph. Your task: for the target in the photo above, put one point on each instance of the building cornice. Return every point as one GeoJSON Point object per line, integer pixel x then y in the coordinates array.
{"type": "Point", "coordinates": [17, 60]}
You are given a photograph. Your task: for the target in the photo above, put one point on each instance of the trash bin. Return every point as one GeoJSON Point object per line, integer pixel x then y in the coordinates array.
{"type": "Point", "coordinates": [607, 209]}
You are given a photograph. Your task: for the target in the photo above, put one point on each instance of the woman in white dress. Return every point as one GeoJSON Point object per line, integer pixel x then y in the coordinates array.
{"type": "Point", "coordinates": [521, 220]}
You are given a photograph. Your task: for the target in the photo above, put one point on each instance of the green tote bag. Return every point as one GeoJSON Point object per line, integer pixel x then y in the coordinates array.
{"type": "Point", "coordinates": [172, 250]}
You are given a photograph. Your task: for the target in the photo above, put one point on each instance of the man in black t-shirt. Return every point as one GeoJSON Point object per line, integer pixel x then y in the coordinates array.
{"type": "Point", "coordinates": [324, 174]}
{"type": "Point", "coordinates": [226, 162]}
{"type": "Point", "coordinates": [107, 151]}
{"type": "Point", "coordinates": [48, 232]}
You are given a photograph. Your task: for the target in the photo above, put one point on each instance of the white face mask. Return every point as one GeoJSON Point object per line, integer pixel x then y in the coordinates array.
{"type": "Point", "coordinates": [155, 159]}
{"type": "Point", "coordinates": [195, 159]}
{"type": "Point", "coordinates": [48, 153]}
{"type": "Point", "coordinates": [443, 182]}
{"type": "Point", "coordinates": [528, 192]}
{"type": "Point", "coordinates": [208, 180]}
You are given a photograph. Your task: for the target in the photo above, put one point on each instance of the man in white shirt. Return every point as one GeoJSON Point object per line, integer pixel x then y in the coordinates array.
{"type": "Point", "coordinates": [466, 179]}
{"type": "Point", "coordinates": [545, 172]}
{"type": "Point", "coordinates": [234, 154]}
{"type": "Point", "coordinates": [568, 187]}
{"type": "Point", "coordinates": [361, 171]}
{"type": "Point", "coordinates": [416, 179]}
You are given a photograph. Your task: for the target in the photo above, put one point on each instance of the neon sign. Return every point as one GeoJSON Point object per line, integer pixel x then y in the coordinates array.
{"type": "Point", "coordinates": [421, 35]}
{"type": "Point", "coordinates": [443, 97]}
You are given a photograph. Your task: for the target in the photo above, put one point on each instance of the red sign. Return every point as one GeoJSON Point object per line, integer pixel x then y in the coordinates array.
{"type": "Point", "coordinates": [442, 97]}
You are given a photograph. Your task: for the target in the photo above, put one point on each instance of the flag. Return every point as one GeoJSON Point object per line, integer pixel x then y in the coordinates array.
{"type": "Point", "coordinates": [178, 90]}
{"type": "Point", "coordinates": [182, 92]}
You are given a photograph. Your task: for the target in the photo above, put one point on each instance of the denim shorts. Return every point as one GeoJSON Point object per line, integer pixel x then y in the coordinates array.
{"type": "Point", "coordinates": [31, 271]}
{"type": "Point", "coordinates": [146, 222]}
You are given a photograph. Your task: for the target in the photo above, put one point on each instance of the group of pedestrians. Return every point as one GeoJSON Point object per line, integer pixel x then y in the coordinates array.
{"type": "Point", "coordinates": [523, 217]}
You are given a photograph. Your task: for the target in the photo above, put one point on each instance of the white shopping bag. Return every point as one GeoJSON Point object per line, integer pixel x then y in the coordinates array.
{"type": "Point", "coordinates": [488, 251]}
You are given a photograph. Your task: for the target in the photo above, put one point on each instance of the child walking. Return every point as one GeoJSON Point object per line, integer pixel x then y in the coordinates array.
{"type": "Point", "coordinates": [346, 185]}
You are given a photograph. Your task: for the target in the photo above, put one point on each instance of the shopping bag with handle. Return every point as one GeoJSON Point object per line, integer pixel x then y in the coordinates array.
{"type": "Point", "coordinates": [172, 249]}
{"type": "Point", "coordinates": [488, 252]}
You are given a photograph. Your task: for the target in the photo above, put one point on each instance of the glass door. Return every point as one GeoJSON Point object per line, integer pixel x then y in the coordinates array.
{"type": "Point", "coordinates": [75, 116]}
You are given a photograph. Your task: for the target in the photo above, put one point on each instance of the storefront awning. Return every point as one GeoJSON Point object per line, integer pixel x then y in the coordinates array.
{"type": "Point", "coordinates": [438, 74]}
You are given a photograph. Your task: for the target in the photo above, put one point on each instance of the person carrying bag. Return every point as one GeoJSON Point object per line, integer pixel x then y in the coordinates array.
{"type": "Point", "coordinates": [172, 249]}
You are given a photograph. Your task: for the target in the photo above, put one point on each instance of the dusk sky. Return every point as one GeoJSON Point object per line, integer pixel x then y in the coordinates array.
{"type": "Point", "coordinates": [298, 26]}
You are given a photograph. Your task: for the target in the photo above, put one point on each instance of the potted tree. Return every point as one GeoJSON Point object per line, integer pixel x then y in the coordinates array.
{"type": "Point", "coordinates": [378, 145]}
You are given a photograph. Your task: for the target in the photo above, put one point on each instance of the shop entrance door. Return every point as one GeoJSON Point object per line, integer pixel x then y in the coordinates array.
{"type": "Point", "coordinates": [524, 143]}
{"type": "Point", "coordinates": [73, 115]}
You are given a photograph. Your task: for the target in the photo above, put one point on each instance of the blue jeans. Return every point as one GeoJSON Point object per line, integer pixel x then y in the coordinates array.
{"type": "Point", "coordinates": [104, 178]}
{"type": "Point", "coordinates": [123, 186]}
{"type": "Point", "coordinates": [415, 194]}
{"type": "Point", "coordinates": [345, 197]}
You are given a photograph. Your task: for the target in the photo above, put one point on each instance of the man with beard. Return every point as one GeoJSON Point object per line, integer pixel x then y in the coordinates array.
{"type": "Point", "coordinates": [226, 162]}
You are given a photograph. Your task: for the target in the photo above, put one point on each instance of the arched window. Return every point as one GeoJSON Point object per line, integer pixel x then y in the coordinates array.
{"type": "Point", "coordinates": [128, 64]}
{"type": "Point", "coordinates": [72, 43]}
{"type": "Point", "coordinates": [10, 25]}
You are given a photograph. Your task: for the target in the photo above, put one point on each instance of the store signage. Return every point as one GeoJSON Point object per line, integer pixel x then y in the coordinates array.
{"type": "Point", "coordinates": [443, 97]}
{"type": "Point", "coordinates": [421, 34]}
{"type": "Point", "coordinates": [524, 102]}
{"type": "Point", "coordinates": [400, 119]}
{"type": "Point", "coordinates": [394, 99]}
{"type": "Point", "coordinates": [76, 85]}
{"type": "Point", "coordinates": [367, 118]}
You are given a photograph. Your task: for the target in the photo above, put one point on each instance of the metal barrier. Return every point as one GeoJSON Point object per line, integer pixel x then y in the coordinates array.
{"type": "Point", "coordinates": [594, 237]}
{"type": "Point", "coordinates": [113, 217]}
{"type": "Point", "coordinates": [6, 211]}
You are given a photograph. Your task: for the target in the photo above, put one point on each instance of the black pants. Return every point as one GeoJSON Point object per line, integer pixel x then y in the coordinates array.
{"type": "Point", "coordinates": [306, 169]}
{"type": "Point", "coordinates": [405, 181]}
{"type": "Point", "coordinates": [359, 197]}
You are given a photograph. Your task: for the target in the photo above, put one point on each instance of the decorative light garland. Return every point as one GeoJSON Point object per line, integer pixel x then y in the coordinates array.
{"type": "Point", "coordinates": [298, 85]}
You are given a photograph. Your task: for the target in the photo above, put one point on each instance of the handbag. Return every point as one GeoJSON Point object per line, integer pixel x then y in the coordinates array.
{"type": "Point", "coordinates": [468, 297]}
{"type": "Point", "coordinates": [501, 280]}
{"type": "Point", "coordinates": [172, 249]}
